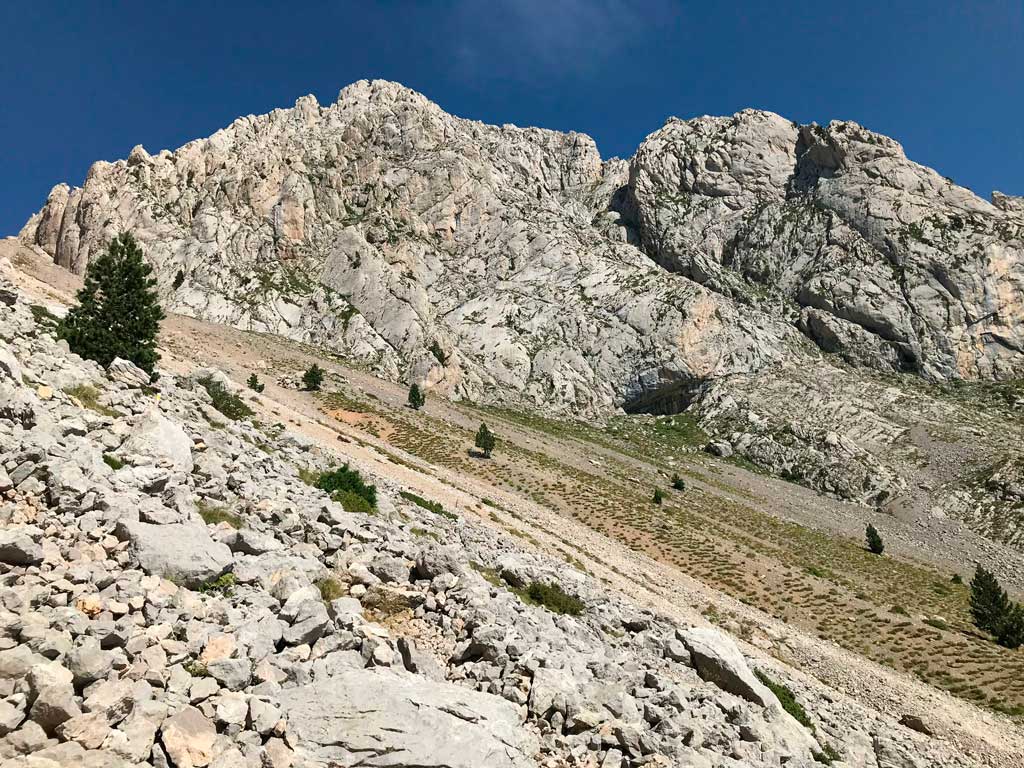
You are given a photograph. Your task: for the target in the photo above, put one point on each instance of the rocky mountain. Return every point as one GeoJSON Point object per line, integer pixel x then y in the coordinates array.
{"type": "Point", "coordinates": [732, 263]}
{"type": "Point", "coordinates": [174, 593]}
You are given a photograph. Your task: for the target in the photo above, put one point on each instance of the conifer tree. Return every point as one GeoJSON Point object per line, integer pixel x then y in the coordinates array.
{"type": "Point", "coordinates": [416, 397]}
{"type": "Point", "coordinates": [485, 440]}
{"type": "Point", "coordinates": [989, 602]}
{"type": "Point", "coordinates": [118, 312]}
{"type": "Point", "coordinates": [313, 378]}
{"type": "Point", "coordinates": [874, 540]}
{"type": "Point", "coordinates": [1010, 632]}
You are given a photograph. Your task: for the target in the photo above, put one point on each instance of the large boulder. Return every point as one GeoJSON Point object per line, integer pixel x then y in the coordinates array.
{"type": "Point", "coordinates": [184, 553]}
{"type": "Point", "coordinates": [19, 545]}
{"type": "Point", "coordinates": [378, 717]}
{"type": "Point", "coordinates": [156, 437]}
{"type": "Point", "coordinates": [719, 661]}
{"type": "Point", "coordinates": [127, 373]}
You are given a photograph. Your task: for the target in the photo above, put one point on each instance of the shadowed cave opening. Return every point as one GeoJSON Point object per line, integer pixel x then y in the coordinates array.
{"type": "Point", "coordinates": [667, 398]}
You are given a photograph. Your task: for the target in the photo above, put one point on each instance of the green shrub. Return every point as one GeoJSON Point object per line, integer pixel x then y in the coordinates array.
{"type": "Point", "coordinates": [345, 479]}
{"type": "Point", "coordinates": [313, 378]}
{"type": "Point", "coordinates": [195, 668]}
{"type": "Point", "coordinates": [353, 502]}
{"type": "Point", "coordinates": [658, 496]}
{"type": "Point", "coordinates": [956, 579]}
{"type": "Point", "coordinates": [678, 483]}
{"type": "Point", "coordinates": [989, 601]}
{"type": "Point", "coordinates": [309, 476]}
{"type": "Point", "coordinates": [112, 461]}
{"type": "Point", "coordinates": [330, 589]}
{"type": "Point", "coordinates": [225, 401]}
{"type": "Point", "coordinates": [416, 397]}
{"type": "Point", "coordinates": [1010, 632]}
{"type": "Point", "coordinates": [432, 506]}
{"type": "Point", "coordinates": [43, 316]}
{"type": "Point", "coordinates": [553, 597]}
{"type": "Point", "coordinates": [222, 585]}
{"type": "Point", "coordinates": [89, 397]}
{"type": "Point", "coordinates": [827, 756]}
{"type": "Point", "coordinates": [254, 383]}
{"type": "Point", "coordinates": [786, 699]}
{"type": "Point", "coordinates": [213, 515]}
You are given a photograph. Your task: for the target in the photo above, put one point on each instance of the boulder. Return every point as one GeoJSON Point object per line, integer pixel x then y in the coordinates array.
{"type": "Point", "coordinates": [127, 373]}
{"type": "Point", "coordinates": [719, 661]}
{"type": "Point", "coordinates": [397, 719]}
{"type": "Point", "coordinates": [10, 368]}
{"type": "Point", "coordinates": [184, 553]}
{"type": "Point", "coordinates": [156, 437]}
{"type": "Point", "coordinates": [18, 546]}
{"type": "Point", "coordinates": [189, 737]}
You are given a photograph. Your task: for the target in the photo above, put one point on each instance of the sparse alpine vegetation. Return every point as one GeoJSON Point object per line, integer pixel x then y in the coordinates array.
{"type": "Point", "coordinates": [224, 400]}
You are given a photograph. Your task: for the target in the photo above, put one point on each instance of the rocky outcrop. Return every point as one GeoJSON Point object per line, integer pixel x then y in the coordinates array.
{"type": "Point", "coordinates": [880, 260]}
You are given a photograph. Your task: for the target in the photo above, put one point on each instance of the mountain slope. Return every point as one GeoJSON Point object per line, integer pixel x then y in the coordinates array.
{"type": "Point", "coordinates": [732, 265]}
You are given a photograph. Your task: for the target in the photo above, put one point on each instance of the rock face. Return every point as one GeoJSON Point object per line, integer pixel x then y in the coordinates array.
{"type": "Point", "coordinates": [878, 259]}
{"type": "Point", "coordinates": [478, 258]}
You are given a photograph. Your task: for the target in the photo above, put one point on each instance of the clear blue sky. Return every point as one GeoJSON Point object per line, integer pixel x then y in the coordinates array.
{"type": "Point", "coordinates": [83, 81]}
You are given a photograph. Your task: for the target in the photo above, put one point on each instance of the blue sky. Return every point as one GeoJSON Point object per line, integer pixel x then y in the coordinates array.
{"type": "Point", "coordinates": [83, 81]}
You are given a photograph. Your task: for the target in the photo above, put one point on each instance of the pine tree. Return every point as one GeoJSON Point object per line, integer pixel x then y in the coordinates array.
{"type": "Point", "coordinates": [254, 383]}
{"type": "Point", "coordinates": [485, 440]}
{"type": "Point", "coordinates": [416, 397]}
{"type": "Point", "coordinates": [1010, 632]}
{"type": "Point", "coordinates": [118, 312]}
{"type": "Point", "coordinates": [875, 544]}
{"type": "Point", "coordinates": [989, 602]}
{"type": "Point", "coordinates": [313, 378]}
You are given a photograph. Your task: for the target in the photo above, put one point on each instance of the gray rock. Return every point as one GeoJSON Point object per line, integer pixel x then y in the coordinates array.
{"type": "Point", "coordinates": [189, 738]}
{"type": "Point", "coordinates": [719, 661]}
{"type": "Point", "coordinates": [401, 719]}
{"type": "Point", "coordinates": [53, 705]}
{"type": "Point", "coordinates": [9, 366]}
{"type": "Point", "coordinates": [157, 437]}
{"type": "Point", "coordinates": [391, 569]}
{"type": "Point", "coordinates": [127, 373]}
{"type": "Point", "coordinates": [233, 674]}
{"type": "Point", "coordinates": [18, 546]}
{"type": "Point", "coordinates": [184, 553]}
{"type": "Point", "coordinates": [419, 661]}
